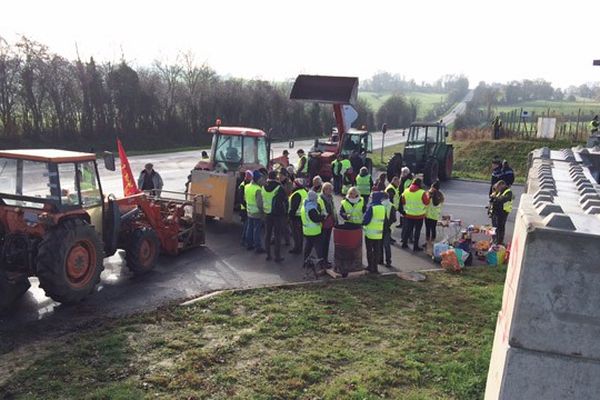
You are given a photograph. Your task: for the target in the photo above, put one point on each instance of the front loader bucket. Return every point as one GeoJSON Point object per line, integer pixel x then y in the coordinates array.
{"type": "Point", "coordinates": [325, 89]}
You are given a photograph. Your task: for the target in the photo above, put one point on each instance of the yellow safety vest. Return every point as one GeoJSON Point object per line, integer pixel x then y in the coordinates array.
{"type": "Point", "coordinates": [321, 204]}
{"type": "Point", "coordinates": [374, 229]}
{"type": "Point", "coordinates": [508, 206]}
{"type": "Point", "coordinates": [407, 184]}
{"type": "Point", "coordinates": [396, 199]}
{"type": "Point", "coordinates": [334, 166]}
{"type": "Point", "coordinates": [303, 195]}
{"type": "Point", "coordinates": [413, 202]}
{"type": "Point", "coordinates": [268, 197]}
{"type": "Point", "coordinates": [345, 165]}
{"type": "Point", "coordinates": [388, 210]}
{"type": "Point", "coordinates": [309, 227]}
{"type": "Point", "coordinates": [305, 167]}
{"type": "Point", "coordinates": [363, 184]}
{"type": "Point", "coordinates": [354, 211]}
{"type": "Point", "coordinates": [250, 197]}
{"type": "Point", "coordinates": [434, 212]}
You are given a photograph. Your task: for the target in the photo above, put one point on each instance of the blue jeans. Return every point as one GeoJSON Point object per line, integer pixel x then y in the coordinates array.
{"type": "Point", "coordinates": [254, 233]}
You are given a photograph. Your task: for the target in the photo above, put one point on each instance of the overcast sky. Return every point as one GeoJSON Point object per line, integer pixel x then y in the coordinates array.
{"type": "Point", "coordinates": [485, 40]}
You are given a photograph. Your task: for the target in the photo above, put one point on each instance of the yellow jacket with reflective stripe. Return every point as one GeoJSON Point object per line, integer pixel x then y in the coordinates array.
{"type": "Point", "coordinates": [434, 212]}
{"type": "Point", "coordinates": [268, 198]}
{"type": "Point", "coordinates": [309, 227]}
{"type": "Point", "coordinates": [250, 197]}
{"type": "Point", "coordinates": [374, 229]}
{"type": "Point", "coordinates": [305, 167]}
{"type": "Point", "coordinates": [413, 203]}
{"type": "Point", "coordinates": [303, 195]}
{"type": "Point", "coordinates": [354, 212]}
{"type": "Point", "coordinates": [363, 184]}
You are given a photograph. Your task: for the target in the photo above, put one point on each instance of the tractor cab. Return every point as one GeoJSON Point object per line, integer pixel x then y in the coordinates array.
{"type": "Point", "coordinates": [237, 149]}
{"type": "Point", "coordinates": [427, 152]}
{"type": "Point", "coordinates": [357, 140]}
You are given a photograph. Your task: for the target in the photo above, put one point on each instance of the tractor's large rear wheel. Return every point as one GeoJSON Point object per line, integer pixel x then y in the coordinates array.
{"type": "Point", "coordinates": [446, 170]}
{"type": "Point", "coordinates": [143, 250]}
{"type": "Point", "coordinates": [431, 172]}
{"type": "Point", "coordinates": [70, 261]}
{"type": "Point", "coordinates": [11, 288]}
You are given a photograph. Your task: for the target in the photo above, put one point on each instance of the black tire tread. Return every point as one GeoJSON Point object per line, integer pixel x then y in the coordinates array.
{"type": "Point", "coordinates": [52, 252]}
{"type": "Point", "coordinates": [131, 252]}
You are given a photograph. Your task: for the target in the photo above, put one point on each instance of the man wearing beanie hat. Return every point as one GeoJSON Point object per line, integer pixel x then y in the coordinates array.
{"type": "Point", "coordinates": [254, 208]}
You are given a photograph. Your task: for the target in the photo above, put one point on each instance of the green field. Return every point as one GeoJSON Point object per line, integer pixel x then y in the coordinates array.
{"type": "Point", "coordinates": [426, 100]}
{"type": "Point", "coordinates": [368, 338]}
{"type": "Point", "coordinates": [556, 107]}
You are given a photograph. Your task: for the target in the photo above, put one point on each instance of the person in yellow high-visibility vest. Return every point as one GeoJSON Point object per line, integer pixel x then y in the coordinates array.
{"type": "Point", "coordinates": [373, 223]}
{"type": "Point", "coordinates": [296, 201]}
{"type": "Point", "coordinates": [415, 201]}
{"type": "Point", "coordinates": [434, 210]}
{"type": "Point", "coordinates": [275, 205]}
{"type": "Point", "coordinates": [501, 205]}
{"type": "Point", "coordinates": [312, 226]}
{"type": "Point", "coordinates": [254, 209]}
{"type": "Point", "coordinates": [364, 184]}
{"type": "Point", "coordinates": [390, 218]}
{"type": "Point", "coordinates": [302, 166]}
{"type": "Point", "coordinates": [352, 207]}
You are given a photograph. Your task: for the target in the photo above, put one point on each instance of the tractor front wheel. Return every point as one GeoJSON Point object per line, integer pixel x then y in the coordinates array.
{"type": "Point", "coordinates": [70, 261]}
{"type": "Point", "coordinates": [446, 171]}
{"type": "Point", "coordinates": [431, 171]}
{"type": "Point", "coordinates": [143, 250]}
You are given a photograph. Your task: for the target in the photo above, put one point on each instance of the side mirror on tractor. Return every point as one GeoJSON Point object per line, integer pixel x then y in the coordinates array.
{"type": "Point", "coordinates": [109, 161]}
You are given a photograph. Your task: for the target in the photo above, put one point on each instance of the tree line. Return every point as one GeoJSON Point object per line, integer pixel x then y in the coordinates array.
{"type": "Point", "coordinates": [48, 100]}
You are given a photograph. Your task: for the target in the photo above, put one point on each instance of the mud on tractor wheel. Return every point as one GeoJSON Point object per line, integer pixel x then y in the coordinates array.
{"type": "Point", "coordinates": [70, 261]}
{"type": "Point", "coordinates": [142, 251]}
{"type": "Point", "coordinates": [446, 168]}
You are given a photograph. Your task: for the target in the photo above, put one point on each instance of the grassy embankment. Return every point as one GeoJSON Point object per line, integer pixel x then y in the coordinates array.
{"type": "Point", "coordinates": [426, 100]}
{"type": "Point", "coordinates": [472, 158]}
{"type": "Point", "coordinates": [371, 338]}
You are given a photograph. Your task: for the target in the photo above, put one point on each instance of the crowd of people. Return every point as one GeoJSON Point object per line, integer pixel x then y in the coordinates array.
{"type": "Point", "coordinates": [296, 208]}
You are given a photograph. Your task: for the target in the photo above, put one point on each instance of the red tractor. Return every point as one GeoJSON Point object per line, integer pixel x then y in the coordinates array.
{"type": "Point", "coordinates": [341, 92]}
{"type": "Point", "coordinates": [233, 151]}
{"type": "Point", "coordinates": [56, 224]}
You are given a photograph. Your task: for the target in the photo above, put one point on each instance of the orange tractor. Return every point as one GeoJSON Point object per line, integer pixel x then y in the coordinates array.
{"type": "Point", "coordinates": [56, 224]}
{"type": "Point", "coordinates": [341, 93]}
{"type": "Point", "coordinates": [233, 151]}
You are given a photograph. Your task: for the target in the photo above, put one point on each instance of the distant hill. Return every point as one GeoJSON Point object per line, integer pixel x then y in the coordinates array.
{"type": "Point", "coordinates": [427, 101]}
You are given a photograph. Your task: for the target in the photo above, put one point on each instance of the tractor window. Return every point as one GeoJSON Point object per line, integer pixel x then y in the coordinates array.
{"type": "Point", "coordinates": [263, 156]}
{"type": "Point", "coordinates": [228, 149]}
{"type": "Point", "coordinates": [68, 185]}
{"type": "Point", "coordinates": [422, 133]}
{"type": "Point", "coordinates": [351, 143]}
{"type": "Point", "coordinates": [88, 184]}
{"type": "Point", "coordinates": [24, 178]}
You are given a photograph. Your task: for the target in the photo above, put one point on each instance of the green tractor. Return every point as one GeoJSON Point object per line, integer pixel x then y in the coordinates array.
{"type": "Point", "coordinates": [426, 152]}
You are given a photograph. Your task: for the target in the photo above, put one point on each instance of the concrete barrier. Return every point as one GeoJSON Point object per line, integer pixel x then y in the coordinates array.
{"type": "Point", "coordinates": [547, 339]}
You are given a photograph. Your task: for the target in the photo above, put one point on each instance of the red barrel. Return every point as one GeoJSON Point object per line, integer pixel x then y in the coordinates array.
{"type": "Point", "coordinates": [347, 240]}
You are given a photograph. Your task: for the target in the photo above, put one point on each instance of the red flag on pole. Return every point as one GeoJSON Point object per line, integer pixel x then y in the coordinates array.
{"type": "Point", "coordinates": [129, 185]}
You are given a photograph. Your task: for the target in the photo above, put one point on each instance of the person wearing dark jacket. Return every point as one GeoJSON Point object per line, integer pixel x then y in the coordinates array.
{"type": "Point", "coordinates": [240, 196]}
{"type": "Point", "coordinates": [330, 219]}
{"type": "Point", "coordinates": [296, 200]}
{"type": "Point", "coordinates": [275, 206]}
{"type": "Point", "coordinates": [356, 161]}
{"type": "Point", "coordinates": [380, 184]}
{"type": "Point", "coordinates": [373, 223]}
{"type": "Point", "coordinates": [496, 173]}
{"type": "Point", "coordinates": [508, 175]}
{"type": "Point", "coordinates": [501, 203]}
{"type": "Point", "coordinates": [312, 226]}
{"type": "Point", "coordinates": [390, 218]}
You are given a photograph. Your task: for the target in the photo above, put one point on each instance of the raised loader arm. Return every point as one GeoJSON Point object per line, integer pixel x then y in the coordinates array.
{"type": "Point", "coordinates": [339, 91]}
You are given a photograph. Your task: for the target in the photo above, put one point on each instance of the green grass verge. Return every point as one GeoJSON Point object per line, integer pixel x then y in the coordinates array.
{"type": "Point", "coordinates": [370, 338]}
{"type": "Point", "coordinates": [556, 107]}
{"type": "Point", "coordinates": [472, 159]}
